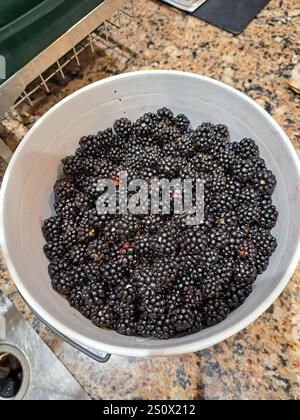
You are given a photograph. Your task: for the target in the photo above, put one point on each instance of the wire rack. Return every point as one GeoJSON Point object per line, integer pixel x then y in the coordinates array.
{"type": "Point", "coordinates": [22, 86]}
{"type": "Point", "coordinates": [90, 42]}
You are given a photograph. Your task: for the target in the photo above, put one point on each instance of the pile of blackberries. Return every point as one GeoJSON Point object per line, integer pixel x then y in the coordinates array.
{"type": "Point", "coordinates": [154, 275]}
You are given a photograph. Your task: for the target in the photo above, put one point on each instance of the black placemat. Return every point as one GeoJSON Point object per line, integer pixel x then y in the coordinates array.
{"type": "Point", "coordinates": [231, 15]}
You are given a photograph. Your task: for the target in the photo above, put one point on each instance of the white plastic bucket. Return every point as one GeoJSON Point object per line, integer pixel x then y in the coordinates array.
{"type": "Point", "coordinates": [29, 180]}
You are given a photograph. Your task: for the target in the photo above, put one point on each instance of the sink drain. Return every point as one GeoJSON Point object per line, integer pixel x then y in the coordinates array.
{"type": "Point", "coordinates": [14, 373]}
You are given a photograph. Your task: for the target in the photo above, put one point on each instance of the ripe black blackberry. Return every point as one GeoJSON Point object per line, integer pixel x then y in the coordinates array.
{"type": "Point", "coordinates": [78, 254]}
{"type": "Point", "coordinates": [127, 257]}
{"type": "Point", "coordinates": [99, 251]}
{"type": "Point", "coordinates": [265, 243]}
{"type": "Point", "coordinates": [123, 128]}
{"type": "Point", "coordinates": [144, 127]}
{"type": "Point", "coordinates": [245, 271]}
{"type": "Point", "coordinates": [244, 170]}
{"type": "Point", "coordinates": [188, 144]}
{"type": "Point", "coordinates": [237, 293]}
{"type": "Point", "coordinates": [90, 145]}
{"type": "Point", "coordinates": [218, 238]}
{"type": "Point", "coordinates": [247, 250]}
{"type": "Point", "coordinates": [226, 157]}
{"type": "Point", "coordinates": [265, 182]}
{"type": "Point", "coordinates": [165, 115]}
{"type": "Point", "coordinates": [121, 230]}
{"type": "Point", "coordinates": [247, 149]}
{"type": "Point", "coordinates": [64, 282]}
{"type": "Point", "coordinates": [194, 241]}
{"type": "Point", "coordinates": [182, 318]}
{"type": "Point", "coordinates": [64, 189]}
{"type": "Point", "coordinates": [106, 138]}
{"type": "Point", "coordinates": [126, 326]}
{"type": "Point", "coordinates": [215, 311]}
{"type": "Point", "coordinates": [203, 137]}
{"type": "Point", "coordinates": [192, 295]}
{"type": "Point", "coordinates": [249, 214]}
{"type": "Point", "coordinates": [69, 236]}
{"type": "Point", "coordinates": [211, 288]}
{"type": "Point", "coordinates": [72, 165]}
{"type": "Point", "coordinates": [182, 123]}
{"type": "Point", "coordinates": [221, 133]}
{"type": "Point", "coordinates": [82, 201]}
{"type": "Point", "coordinates": [166, 242]}
{"type": "Point", "coordinates": [55, 249]}
{"type": "Point", "coordinates": [104, 318]}
{"type": "Point", "coordinates": [268, 217]}
{"type": "Point", "coordinates": [144, 246]}
{"type": "Point", "coordinates": [66, 208]}
{"type": "Point", "coordinates": [52, 228]}
{"type": "Point", "coordinates": [262, 262]}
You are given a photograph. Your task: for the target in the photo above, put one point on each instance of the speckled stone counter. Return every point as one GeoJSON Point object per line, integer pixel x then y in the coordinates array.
{"type": "Point", "coordinates": [263, 361]}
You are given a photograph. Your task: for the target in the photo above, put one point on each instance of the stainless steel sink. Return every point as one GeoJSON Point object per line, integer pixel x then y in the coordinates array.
{"type": "Point", "coordinates": [43, 375]}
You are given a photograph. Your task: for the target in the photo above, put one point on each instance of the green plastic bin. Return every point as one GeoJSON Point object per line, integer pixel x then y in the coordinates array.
{"type": "Point", "coordinates": [27, 27]}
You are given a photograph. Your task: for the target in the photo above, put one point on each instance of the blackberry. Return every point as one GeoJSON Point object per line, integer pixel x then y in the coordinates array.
{"type": "Point", "coordinates": [167, 241]}
{"type": "Point", "coordinates": [265, 182]}
{"type": "Point", "coordinates": [182, 123]}
{"type": "Point", "coordinates": [104, 318]}
{"type": "Point", "coordinates": [215, 311]}
{"type": "Point", "coordinates": [64, 282]}
{"type": "Point", "coordinates": [265, 243]}
{"type": "Point", "coordinates": [52, 228]}
{"type": "Point", "coordinates": [188, 144]}
{"type": "Point", "coordinates": [268, 217]}
{"type": "Point", "coordinates": [192, 295]}
{"type": "Point", "coordinates": [194, 241]}
{"type": "Point", "coordinates": [262, 262]}
{"type": "Point", "coordinates": [247, 149]}
{"type": "Point", "coordinates": [69, 235]}
{"type": "Point", "coordinates": [245, 271]}
{"type": "Point", "coordinates": [237, 293]}
{"type": "Point", "coordinates": [249, 214]}
{"type": "Point", "coordinates": [247, 250]}
{"type": "Point", "coordinates": [244, 170]}
{"type": "Point", "coordinates": [203, 137]}
{"type": "Point", "coordinates": [221, 132]}
{"type": "Point", "coordinates": [82, 201]}
{"type": "Point", "coordinates": [144, 246]}
{"type": "Point", "coordinates": [144, 128]}
{"type": "Point", "coordinates": [121, 230]}
{"type": "Point", "coordinates": [90, 145]}
{"type": "Point", "coordinates": [211, 289]}
{"type": "Point", "coordinates": [106, 138]}
{"type": "Point", "coordinates": [78, 254]}
{"type": "Point", "coordinates": [165, 115]}
{"type": "Point", "coordinates": [127, 257]}
{"type": "Point", "coordinates": [166, 135]}
{"type": "Point", "coordinates": [209, 258]}
{"type": "Point", "coordinates": [226, 157]}
{"type": "Point", "coordinates": [72, 165]}
{"type": "Point", "coordinates": [64, 189]}
{"type": "Point", "coordinates": [126, 326]}
{"type": "Point", "coordinates": [182, 318]}
{"type": "Point", "coordinates": [55, 250]}
{"type": "Point", "coordinates": [123, 128]}
{"type": "Point", "coordinates": [154, 304]}
{"type": "Point", "coordinates": [66, 208]}
{"type": "Point", "coordinates": [98, 251]}
{"type": "Point", "coordinates": [218, 238]}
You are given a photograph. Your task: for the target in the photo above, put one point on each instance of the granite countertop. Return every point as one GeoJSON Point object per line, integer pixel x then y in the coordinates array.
{"type": "Point", "coordinates": [263, 361]}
